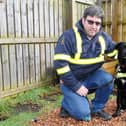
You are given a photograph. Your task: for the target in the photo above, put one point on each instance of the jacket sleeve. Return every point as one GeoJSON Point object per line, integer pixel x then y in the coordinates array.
{"type": "Point", "coordinates": [63, 50]}
{"type": "Point", "coordinates": [110, 47]}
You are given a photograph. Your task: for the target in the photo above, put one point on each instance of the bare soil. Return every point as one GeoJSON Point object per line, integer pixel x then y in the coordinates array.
{"type": "Point", "coordinates": [53, 119]}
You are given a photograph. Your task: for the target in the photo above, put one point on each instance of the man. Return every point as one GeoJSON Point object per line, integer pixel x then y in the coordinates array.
{"type": "Point", "coordinates": [79, 55]}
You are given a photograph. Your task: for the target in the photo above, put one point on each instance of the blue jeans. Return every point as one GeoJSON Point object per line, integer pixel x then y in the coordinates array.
{"type": "Point", "coordinates": [78, 106]}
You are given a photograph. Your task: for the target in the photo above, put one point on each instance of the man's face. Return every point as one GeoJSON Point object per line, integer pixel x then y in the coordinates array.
{"type": "Point", "coordinates": [91, 25]}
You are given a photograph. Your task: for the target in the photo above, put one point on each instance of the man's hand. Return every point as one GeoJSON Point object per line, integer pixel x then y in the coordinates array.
{"type": "Point", "coordinates": [82, 91]}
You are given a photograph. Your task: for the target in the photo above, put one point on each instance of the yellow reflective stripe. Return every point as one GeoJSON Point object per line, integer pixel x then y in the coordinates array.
{"type": "Point", "coordinates": [77, 56]}
{"type": "Point", "coordinates": [113, 53]}
{"type": "Point", "coordinates": [79, 43]}
{"type": "Point", "coordinates": [120, 75]}
{"type": "Point", "coordinates": [62, 57]}
{"type": "Point", "coordinates": [63, 70]}
{"type": "Point", "coordinates": [87, 61]}
{"type": "Point", "coordinates": [79, 61]}
{"type": "Point", "coordinates": [102, 43]}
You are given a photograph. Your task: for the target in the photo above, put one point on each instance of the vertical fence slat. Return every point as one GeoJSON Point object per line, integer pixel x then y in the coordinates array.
{"type": "Point", "coordinates": [124, 20]}
{"type": "Point", "coordinates": [10, 16]}
{"type": "Point", "coordinates": [17, 18]}
{"type": "Point", "coordinates": [6, 69]}
{"type": "Point", "coordinates": [120, 20]}
{"type": "Point", "coordinates": [1, 70]}
{"type": "Point", "coordinates": [51, 23]}
{"type": "Point", "coordinates": [36, 28]}
{"type": "Point", "coordinates": [56, 18]}
{"type": "Point", "coordinates": [25, 34]}
{"type": "Point", "coordinates": [3, 21]}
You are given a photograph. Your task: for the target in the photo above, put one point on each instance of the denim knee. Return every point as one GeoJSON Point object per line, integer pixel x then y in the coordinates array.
{"type": "Point", "coordinates": [108, 78]}
{"type": "Point", "coordinates": [81, 114]}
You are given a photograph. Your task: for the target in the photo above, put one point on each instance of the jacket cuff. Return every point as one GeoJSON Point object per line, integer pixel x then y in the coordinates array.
{"type": "Point", "coordinates": [76, 87]}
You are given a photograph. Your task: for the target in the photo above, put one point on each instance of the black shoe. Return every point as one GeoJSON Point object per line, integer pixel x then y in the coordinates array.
{"type": "Point", "coordinates": [118, 112]}
{"type": "Point", "coordinates": [64, 113]}
{"type": "Point", "coordinates": [102, 114]}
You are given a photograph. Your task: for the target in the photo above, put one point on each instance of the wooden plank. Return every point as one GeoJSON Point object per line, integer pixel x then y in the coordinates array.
{"type": "Point", "coordinates": [3, 33]}
{"type": "Point", "coordinates": [60, 23]}
{"type": "Point", "coordinates": [37, 62]}
{"type": "Point", "coordinates": [88, 2]}
{"type": "Point", "coordinates": [19, 61]}
{"type": "Point", "coordinates": [120, 32]}
{"type": "Point", "coordinates": [10, 18]}
{"type": "Point", "coordinates": [24, 20]}
{"type": "Point", "coordinates": [36, 34]}
{"type": "Point", "coordinates": [25, 56]}
{"type": "Point", "coordinates": [124, 33]}
{"type": "Point", "coordinates": [56, 18]}
{"type": "Point", "coordinates": [124, 19]}
{"type": "Point", "coordinates": [42, 18]}
{"type": "Point", "coordinates": [105, 19]}
{"type": "Point", "coordinates": [42, 34]}
{"type": "Point", "coordinates": [30, 17]}
{"type": "Point", "coordinates": [1, 70]}
{"type": "Point", "coordinates": [47, 18]}
{"type": "Point", "coordinates": [32, 63]}
{"type": "Point", "coordinates": [6, 68]}
{"type": "Point", "coordinates": [17, 18]}
{"type": "Point", "coordinates": [18, 48]}
{"type": "Point", "coordinates": [79, 11]}
{"type": "Point", "coordinates": [24, 26]}
{"type": "Point", "coordinates": [31, 49]}
{"type": "Point", "coordinates": [11, 49]}
{"type": "Point", "coordinates": [64, 18]}
{"type": "Point", "coordinates": [36, 18]}
{"type": "Point", "coordinates": [43, 62]}
{"type": "Point", "coordinates": [13, 66]}
{"type": "Point", "coordinates": [5, 41]}
{"type": "Point", "coordinates": [124, 10]}
{"type": "Point", "coordinates": [51, 15]}
{"type": "Point", "coordinates": [114, 23]}
{"type": "Point", "coordinates": [3, 21]}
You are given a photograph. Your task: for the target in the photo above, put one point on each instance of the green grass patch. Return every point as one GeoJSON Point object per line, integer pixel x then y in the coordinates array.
{"type": "Point", "coordinates": [18, 109]}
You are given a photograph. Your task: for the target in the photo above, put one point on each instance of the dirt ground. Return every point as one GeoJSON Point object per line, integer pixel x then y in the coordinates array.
{"type": "Point", "coordinates": [53, 119]}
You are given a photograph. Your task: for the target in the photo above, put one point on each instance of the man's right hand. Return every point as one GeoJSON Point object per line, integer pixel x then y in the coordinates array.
{"type": "Point", "coordinates": [82, 91]}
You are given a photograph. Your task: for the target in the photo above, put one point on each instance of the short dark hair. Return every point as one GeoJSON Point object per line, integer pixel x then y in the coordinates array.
{"type": "Point", "coordinates": [94, 10]}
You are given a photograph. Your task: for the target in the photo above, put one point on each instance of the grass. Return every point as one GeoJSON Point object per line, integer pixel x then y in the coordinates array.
{"type": "Point", "coordinates": [35, 96]}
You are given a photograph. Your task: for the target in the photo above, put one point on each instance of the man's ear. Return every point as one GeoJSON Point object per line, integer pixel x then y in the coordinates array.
{"type": "Point", "coordinates": [83, 20]}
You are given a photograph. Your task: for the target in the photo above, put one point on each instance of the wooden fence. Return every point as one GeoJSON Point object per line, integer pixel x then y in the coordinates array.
{"type": "Point", "coordinates": [25, 64]}
{"type": "Point", "coordinates": [114, 23]}
{"type": "Point", "coordinates": [29, 30]}
{"type": "Point", "coordinates": [115, 18]}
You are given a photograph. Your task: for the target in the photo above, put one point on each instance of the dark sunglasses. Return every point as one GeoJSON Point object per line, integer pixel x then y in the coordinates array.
{"type": "Point", "coordinates": [90, 22]}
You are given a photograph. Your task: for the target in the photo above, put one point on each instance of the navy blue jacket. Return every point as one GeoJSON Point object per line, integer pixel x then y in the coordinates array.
{"type": "Point", "coordinates": [90, 48]}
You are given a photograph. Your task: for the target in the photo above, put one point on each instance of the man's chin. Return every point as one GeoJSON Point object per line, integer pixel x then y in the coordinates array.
{"type": "Point", "coordinates": [91, 34]}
